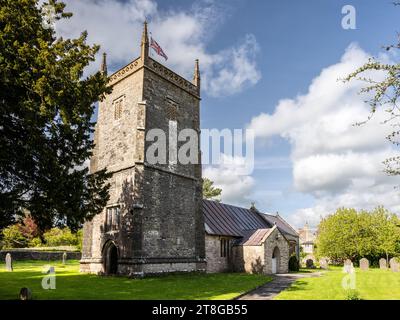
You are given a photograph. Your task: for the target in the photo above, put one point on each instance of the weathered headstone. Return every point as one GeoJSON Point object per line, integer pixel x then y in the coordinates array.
{"type": "Point", "coordinates": [394, 265]}
{"type": "Point", "coordinates": [9, 266]}
{"type": "Point", "coordinates": [323, 263]}
{"type": "Point", "coordinates": [64, 258]}
{"type": "Point", "coordinates": [309, 263]}
{"type": "Point", "coordinates": [348, 262]}
{"type": "Point", "coordinates": [382, 264]}
{"type": "Point", "coordinates": [25, 294]}
{"type": "Point", "coordinates": [364, 264]}
{"type": "Point", "coordinates": [348, 266]}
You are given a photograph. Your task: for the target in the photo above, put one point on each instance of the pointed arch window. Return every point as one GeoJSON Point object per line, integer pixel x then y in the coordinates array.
{"type": "Point", "coordinates": [113, 216]}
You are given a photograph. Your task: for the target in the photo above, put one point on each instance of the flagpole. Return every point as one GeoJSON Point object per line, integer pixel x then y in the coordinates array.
{"type": "Point", "coordinates": [151, 51]}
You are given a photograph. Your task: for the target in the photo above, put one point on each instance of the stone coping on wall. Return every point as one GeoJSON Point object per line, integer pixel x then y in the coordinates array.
{"type": "Point", "coordinates": [21, 254]}
{"type": "Point", "coordinates": [58, 248]}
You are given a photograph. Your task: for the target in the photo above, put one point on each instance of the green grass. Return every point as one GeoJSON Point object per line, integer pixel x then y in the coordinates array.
{"type": "Point", "coordinates": [305, 270]}
{"type": "Point", "coordinates": [70, 284]}
{"type": "Point", "coordinates": [374, 284]}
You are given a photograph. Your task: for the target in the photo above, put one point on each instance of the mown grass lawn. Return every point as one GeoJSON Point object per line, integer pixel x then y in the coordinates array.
{"type": "Point", "coordinates": [374, 284]}
{"type": "Point", "coordinates": [70, 284]}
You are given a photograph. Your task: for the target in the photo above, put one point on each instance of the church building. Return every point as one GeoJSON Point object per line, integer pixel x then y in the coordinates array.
{"type": "Point", "coordinates": [155, 220]}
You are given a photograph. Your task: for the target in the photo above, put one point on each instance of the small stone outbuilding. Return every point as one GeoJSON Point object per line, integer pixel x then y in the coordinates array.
{"type": "Point", "coordinates": [246, 240]}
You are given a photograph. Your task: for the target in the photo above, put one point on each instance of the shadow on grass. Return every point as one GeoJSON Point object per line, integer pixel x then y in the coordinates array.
{"type": "Point", "coordinates": [72, 285]}
{"type": "Point", "coordinates": [298, 285]}
{"type": "Point", "coordinates": [308, 270]}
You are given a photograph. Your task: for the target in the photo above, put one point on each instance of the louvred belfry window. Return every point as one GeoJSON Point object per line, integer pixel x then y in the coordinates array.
{"type": "Point", "coordinates": [118, 108]}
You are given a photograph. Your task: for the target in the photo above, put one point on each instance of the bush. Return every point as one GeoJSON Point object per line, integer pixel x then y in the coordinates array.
{"type": "Point", "coordinates": [35, 242]}
{"type": "Point", "coordinates": [294, 264]}
{"type": "Point", "coordinates": [310, 264]}
{"type": "Point", "coordinates": [352, 294]}
{"type": "Point", "coordinates": [60, 237]}
{"type": "Point", "coordinates": [13, 237]}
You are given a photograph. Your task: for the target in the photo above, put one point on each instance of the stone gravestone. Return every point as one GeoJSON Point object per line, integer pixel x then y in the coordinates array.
{"type": "Point", "coordinates": [364, 264]}
{"type": "Point", "coordinates": [25, 294]}
{"type": "Point", "coordinates": [348, 266]}
{"type": "Point", "coordinates": [309, 263]}
{"type": "Point", "coordinates": [64, 258]}
{"type": "Point", "coordinates": [382, 264]}
{"type": "Point", "coordinates": [348, 262]}
{"type": "Point", "coordinates": [323, 263]}
{"type": "Point", "coordinates": [394, 265]}
{"type": "Point", "coordinates": [9, 266]}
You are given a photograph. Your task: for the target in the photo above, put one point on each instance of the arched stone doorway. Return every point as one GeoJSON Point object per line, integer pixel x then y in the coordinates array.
{"type": "Point", "coordinates": [110, 258]}
{"type": "Point", "coordinates": [276, 260]}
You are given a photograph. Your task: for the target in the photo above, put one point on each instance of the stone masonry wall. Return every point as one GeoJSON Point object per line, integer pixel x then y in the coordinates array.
{"type": "Point", "coordinates": [174, 224]}
{"type": "Point", "coordinates": [161, 218]}
{"type": "Point", "coordinates": [249, 259]}
{"type": "Point", "coordinates": [21, 254]}
{"type": "Point", "coordinates": [270, 243]}
{"type": "Point", "coordinates": [216, 263]}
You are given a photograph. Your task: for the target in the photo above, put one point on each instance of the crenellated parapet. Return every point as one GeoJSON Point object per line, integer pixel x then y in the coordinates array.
{"type": "Point", "coordinates": [173, 77]}
{"type": "Point", "coordinates": [124, 72]}
{"type": "Point", "coordinates": [157, 68]}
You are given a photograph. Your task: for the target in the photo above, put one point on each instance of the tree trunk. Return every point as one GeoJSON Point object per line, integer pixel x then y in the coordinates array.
{"type": "Point", "coordinates": [387, 259]}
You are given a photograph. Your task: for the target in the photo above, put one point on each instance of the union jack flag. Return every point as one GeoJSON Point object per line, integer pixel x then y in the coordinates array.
{"type": "Point", "coordinates": [157, 48]}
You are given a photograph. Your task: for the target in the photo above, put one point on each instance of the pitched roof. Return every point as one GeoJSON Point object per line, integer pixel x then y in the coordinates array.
{"type": "Point", "coordinates": [248, 225]}
{"type": "Point", "coordinates": [227, 220]}
{"type": "Point", "coordinates": [254, 237]}
{"type": "Point", "coordinates": [282, 225]}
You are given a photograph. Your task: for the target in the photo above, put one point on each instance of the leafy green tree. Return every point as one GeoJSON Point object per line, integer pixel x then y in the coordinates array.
{"type": "Point", "coordinates": [348, 234]}
{"type": "Point", "coordinates": [387, 226]}
{"type": "Point", "coordinates": [45, 120]}
{"type": "Point", "coordinates": [13, 237]}
{"type": "Point", "coordinates": [61, 237]}
{"type": "Point", "coordinates": [211, 192]}
{"type": "Point", "coordinates": [385, 91]}
{"type": "Point", "coordinates": [337, 235]}
{"type": "Point", "coordinates": [365, 243]}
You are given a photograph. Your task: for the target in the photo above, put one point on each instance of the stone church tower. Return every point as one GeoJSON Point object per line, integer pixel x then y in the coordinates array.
{"type": "Point", "coordinates": [153, 221]}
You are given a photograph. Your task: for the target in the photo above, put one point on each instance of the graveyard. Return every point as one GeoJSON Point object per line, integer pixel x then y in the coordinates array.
{"type": "Point", "coordinates": [371, 284]}
{"type": "Point", "coordinates": [199, 150]}
{"type": "Point", "coordinates": [70, 284]}
{"type": "Point", "coordinates": [61, 280]}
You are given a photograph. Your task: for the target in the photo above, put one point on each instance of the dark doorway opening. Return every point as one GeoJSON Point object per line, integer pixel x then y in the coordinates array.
{"type": "Point", "coordinates": [110, 259]}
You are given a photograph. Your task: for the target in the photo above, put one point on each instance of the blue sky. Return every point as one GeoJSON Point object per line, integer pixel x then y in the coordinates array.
{"type": "Point", "coordinates": [284, 45]}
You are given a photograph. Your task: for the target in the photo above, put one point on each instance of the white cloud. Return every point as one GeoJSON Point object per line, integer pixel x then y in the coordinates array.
{"type": "Point", "coordinates": [183, 34]}
{"type": "Point", "coordinates": [338, 163]}
{"type": "Point", "coordinates": [239, 71]}
{"type": "Point", "coordinates": [236, 188]}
